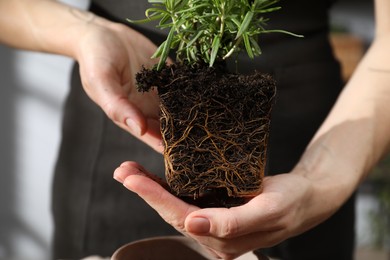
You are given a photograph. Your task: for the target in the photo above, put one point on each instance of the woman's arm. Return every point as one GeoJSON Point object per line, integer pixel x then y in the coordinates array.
{"type": "Point", "coordinates": [109, 55]}
{"type": "Point", "coordinates": [356, 134]}
{"type": "Point", "coordinates": [43, 25]}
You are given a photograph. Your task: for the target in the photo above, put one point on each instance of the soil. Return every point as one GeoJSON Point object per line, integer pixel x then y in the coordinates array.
{"type": "Point", "coordinates": [215, 128]}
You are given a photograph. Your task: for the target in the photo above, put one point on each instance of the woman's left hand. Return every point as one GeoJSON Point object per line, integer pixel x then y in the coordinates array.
{"type": "Point", "coordinates": [285, 208]}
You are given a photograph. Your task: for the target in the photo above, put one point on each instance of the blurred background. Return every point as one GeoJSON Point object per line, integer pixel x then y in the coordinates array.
{"type": "Point", "coordinates": [32, 92]}
{"type": "Point", "coordinates": [33, 87]}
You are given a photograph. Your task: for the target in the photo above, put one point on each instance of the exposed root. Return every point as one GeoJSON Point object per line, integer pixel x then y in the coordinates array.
{"type": "Point", "coordinates": [215, 129]}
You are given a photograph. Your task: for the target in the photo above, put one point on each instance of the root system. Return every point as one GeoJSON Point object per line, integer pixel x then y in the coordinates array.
{"type": "Point", "coordinates": [215, 129]}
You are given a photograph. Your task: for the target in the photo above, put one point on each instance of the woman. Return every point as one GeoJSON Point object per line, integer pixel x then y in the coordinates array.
{"type": "Point", "coordinates": [94, 216]}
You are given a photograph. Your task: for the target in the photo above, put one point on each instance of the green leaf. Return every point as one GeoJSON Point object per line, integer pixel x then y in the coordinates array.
{"type": "Point", "coordinates": [214, 50]}
{"type": "Point", "coordinates": [264, 3]}
{"type": "Point", "coordinates": [248, 46]}
{"type": "Point", "coordinates": [155, 10]}
{"type": "Point", "coordinates": [255, 46]}
{"type": "Point", "coordinates": [285, 32]}
{"type": "Point", "coordinates": [194, 39]}
{"type": "Point", "coordinates": [151, 18]}
{"type": "Point", "coordinates": [245, 24]}
{"type": "Point", "coordinates": [165, 49]}
{"type": "Point", "coordinates": [159, 50]}
{"type": "Point", "coordinates": [164, 19]}
{"type": "Point", "coordinates": [208, 30]}
{"type": "Point", "coordinates": [269, 10]}
{"type": "Point", "coordinates": [193, 8]}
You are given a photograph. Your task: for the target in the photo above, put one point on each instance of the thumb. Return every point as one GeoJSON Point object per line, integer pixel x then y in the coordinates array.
{"type": "Point", "coordinates": [217, 222]}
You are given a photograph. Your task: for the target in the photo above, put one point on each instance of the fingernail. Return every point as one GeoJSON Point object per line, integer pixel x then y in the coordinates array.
{"type": "Point", "coordinates": [198, 225]}
{"type": "Point", "coordinates": [134, 128]}
{"type": "Point", "coordinates": [117, 177]}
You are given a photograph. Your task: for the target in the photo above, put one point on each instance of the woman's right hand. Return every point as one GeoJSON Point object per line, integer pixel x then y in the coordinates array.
{"type": "Point", "coordinates": [110, 55]}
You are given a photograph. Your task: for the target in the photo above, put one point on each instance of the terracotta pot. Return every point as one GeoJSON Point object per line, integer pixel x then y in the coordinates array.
{"type": "Point", "coordinates": [167, 248]}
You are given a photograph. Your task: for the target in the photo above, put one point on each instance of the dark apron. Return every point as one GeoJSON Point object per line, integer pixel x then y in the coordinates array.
{"type": "Point", "coordinates": [94, 215]}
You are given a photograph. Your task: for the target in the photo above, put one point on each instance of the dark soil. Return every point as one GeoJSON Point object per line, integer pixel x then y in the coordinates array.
{"type": "Point", "coordinates": [215, 129]}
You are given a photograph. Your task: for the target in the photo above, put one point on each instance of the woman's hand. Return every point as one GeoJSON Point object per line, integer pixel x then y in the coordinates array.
{"type": "Point", "coordinates": [110, 55]}
{"type": "Point", "coordinates": [285, 208]}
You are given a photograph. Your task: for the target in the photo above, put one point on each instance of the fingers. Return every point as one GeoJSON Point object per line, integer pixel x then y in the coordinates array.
{"type": "Point", "coordinates": [130, 118]}
{"type": "Point", "coordinates": [134, 112]}
{"type": "Point", "coordinates": [132, 168]}
{"type": "Point", "coordinates": [106, 90]}
{"type": "Point", "coordinates": [109, 58]}
{"type": "Point", "coordinates": [152, 136]}
{"type": "Point", "coordinates": [135, 178]}
{"type": "Point", "coordinates": [125, 114]}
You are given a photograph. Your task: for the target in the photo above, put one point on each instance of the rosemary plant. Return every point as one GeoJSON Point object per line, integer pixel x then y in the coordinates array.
{"type": "Point", "coordinates": [209, 30]}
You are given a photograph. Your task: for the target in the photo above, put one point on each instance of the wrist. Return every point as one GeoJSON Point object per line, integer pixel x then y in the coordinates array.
{"type": "Point", "coordinates": [64, 36]}
{"type": "Point", "coordinates": [333, 166]}
{"type": "Point", "coordinates": [45, 26]}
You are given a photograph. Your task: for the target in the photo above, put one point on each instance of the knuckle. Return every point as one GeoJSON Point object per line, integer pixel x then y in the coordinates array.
{"type": "Point", "coordinates": [178, 225]}
{"type": "Point", "coordinates": [109, 109]}
{"type": "Point", "coordinates": [174, 221]}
